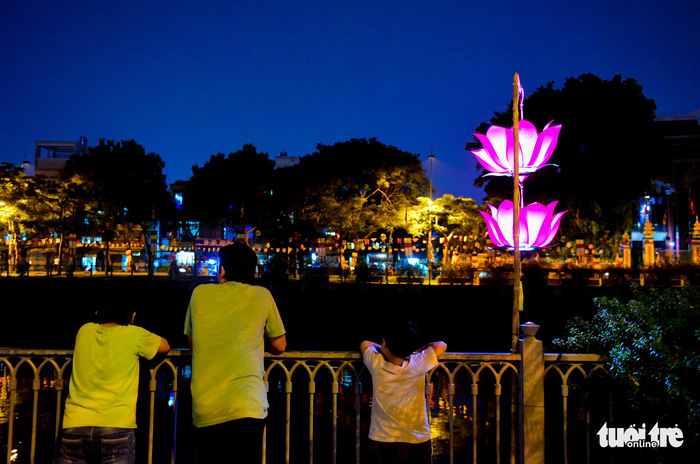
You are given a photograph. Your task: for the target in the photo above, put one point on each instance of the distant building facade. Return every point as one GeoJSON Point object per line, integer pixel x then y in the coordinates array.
{"type": "Point", "coordinates": [51, 156]}
{"type": "Point", "coordinates": [672, 206]}
{"type": "Point", "coordinates": [284, 161]}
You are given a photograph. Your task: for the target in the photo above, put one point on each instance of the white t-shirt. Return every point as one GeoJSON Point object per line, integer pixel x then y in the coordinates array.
{"type": "Point", "coordinates": [398, 400]}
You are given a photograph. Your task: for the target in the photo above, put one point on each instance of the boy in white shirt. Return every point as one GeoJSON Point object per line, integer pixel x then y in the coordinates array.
{"type": "Point", "coordinates": [399, 428]}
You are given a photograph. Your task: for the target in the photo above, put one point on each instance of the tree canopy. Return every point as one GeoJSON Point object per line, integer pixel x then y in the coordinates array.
{"type": "Point", "coordinates": [122, 187]}
{"type": "Point", "coordinates": [231, 190]}
{"type": "Point", "coordinates": [451, 217]}
{"type": "Point", "coordinates": [355, 187]}
{"type": "Point", "coordinates": [607, 154]}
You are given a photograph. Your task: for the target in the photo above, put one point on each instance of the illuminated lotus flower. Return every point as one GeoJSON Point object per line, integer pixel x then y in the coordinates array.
{"type": "Point", "coordinates": [499, 142]}
{"type": "Point", "coordinates": [538, 224]}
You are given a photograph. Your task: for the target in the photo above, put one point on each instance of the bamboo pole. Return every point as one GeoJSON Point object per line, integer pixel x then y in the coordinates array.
{"type": "Point", "coordinates": [516, 218]}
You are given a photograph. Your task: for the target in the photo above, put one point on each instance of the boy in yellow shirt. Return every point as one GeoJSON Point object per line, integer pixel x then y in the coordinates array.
{"type": "Point", "coordinates": [100, 415]}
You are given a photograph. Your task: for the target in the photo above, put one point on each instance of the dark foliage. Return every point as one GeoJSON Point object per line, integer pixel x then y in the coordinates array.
{"type": "Point", "coordinates": [653, 345]}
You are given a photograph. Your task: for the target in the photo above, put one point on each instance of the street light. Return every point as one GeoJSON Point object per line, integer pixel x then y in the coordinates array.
{"type": "Point", "coordinates": [430, 220]}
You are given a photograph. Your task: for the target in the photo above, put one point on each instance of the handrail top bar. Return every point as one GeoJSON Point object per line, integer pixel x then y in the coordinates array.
{"type": "Point", "coordinates": [577, 357]}
{"type": "Point", "coordinates": [330, 355]}
{"type": "Point", "coordinates": [9, 351]}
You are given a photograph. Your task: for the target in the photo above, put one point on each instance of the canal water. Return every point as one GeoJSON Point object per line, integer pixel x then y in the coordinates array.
{"type": "Point", "coordinates": [46, 313]}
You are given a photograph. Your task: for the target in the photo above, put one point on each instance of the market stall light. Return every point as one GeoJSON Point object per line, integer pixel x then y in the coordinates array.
{"type": "Point", "coordinates": [535, 149]}
{"type": "Point", "coordinates": [537, 225]}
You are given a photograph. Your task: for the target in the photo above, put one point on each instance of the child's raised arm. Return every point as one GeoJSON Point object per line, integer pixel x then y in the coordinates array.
{"type": "Point", "coordinates": [368, 344]}
{"type": "Point", "coordinates": [438, 347]}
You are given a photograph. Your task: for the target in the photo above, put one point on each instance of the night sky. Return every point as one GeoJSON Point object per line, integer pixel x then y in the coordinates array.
{"type": "Point", "coordinates": [190, 79]}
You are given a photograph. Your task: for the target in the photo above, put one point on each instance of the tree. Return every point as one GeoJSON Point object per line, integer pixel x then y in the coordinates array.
{"type": "Point", "coordinates": [15, 209]}
{"type": "Point", "coordinates": [344, 186]}
{"type": "Point", "coordinates": [607, 155]}
{"type": "Point", "coordinates": [123, 189]}
{"type": "Point", "coordinates": [57, 211]}
{"type": "Point", "coordinates": [355, 188]}
{"type": "Point", "coordinates": [452, 217]}
{"type": "Point", "coordinates": [231, 191]}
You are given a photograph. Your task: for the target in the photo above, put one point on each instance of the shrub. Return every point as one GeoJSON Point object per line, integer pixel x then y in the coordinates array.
{"type": "Point", "coordinates": [653, 345]}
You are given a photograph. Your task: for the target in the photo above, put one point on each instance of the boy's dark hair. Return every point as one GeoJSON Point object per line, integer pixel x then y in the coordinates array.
{"type": "Point", "coordinates": [402, 337]}
{"type": "Point", "coordinates": [239, 262]}
{"type": "Point", "coordinates": [114, 308]}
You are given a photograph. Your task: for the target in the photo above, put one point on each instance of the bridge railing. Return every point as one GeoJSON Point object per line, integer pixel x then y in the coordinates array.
{"type": "Point", "coordinates": [320, 405]}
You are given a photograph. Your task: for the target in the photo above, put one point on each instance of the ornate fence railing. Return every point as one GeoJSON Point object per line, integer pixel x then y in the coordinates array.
{"type": "Point", "coordinates": [320, 405]}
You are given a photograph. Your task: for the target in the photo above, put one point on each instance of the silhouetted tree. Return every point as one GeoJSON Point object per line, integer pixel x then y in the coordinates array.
{"type": "Point", "coordinates": [354, 187]}
{"type": "Point", "coordinates": [231, 191]}
{"type": "Point", "coordinates": [123, 188]}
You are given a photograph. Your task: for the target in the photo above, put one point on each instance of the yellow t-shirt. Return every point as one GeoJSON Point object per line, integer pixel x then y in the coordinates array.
{"type": "Point", "coordinates": [104, 382]}
{"type": "Point", "coordinates": [228, 323]}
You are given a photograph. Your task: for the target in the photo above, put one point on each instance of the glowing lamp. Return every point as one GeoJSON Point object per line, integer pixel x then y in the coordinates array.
{"type": "Point", "coordinates": [537, 225]}
{"type": "Point", "coordinates": [498, 144]}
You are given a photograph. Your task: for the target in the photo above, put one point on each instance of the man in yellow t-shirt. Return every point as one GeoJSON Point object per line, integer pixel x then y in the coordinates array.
{"type": "Point", "coordinates": [100, 415]}
{"type": "Point", "coordinates": [227, 325]}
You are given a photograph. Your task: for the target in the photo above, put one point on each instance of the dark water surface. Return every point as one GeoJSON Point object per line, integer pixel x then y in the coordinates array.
{"type": "Point", "coordinates": [47, 312]}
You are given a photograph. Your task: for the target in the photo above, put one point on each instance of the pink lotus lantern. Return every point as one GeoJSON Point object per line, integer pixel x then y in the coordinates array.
{"type": "Point", "coordinates": [538, 224]}
{"type": "Point", "coordinates": [535, 149]}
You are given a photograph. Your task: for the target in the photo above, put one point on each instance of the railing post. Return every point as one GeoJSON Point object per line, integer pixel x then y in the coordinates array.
{"type": "Point", "coordinates": [11, 415]}
{"type": "Point", "coordinates": [531, 397]}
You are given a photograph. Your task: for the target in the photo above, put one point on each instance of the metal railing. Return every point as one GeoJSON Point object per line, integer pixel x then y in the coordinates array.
{"type": "Point", "coordinates": [320, 406]}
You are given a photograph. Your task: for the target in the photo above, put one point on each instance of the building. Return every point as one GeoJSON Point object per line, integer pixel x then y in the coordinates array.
{"type": "Point", "coordinates": [51, 156]}
{"type": "Point", "coordinates": [672, 205]}
{"type": "Point", "coordinates": [284, 161]}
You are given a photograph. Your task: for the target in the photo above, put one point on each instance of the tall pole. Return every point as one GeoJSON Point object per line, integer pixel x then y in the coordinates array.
{"type": "Point", "coordinates": [430, 220]}
{"type": "Point", "coordinates": [517, 289]}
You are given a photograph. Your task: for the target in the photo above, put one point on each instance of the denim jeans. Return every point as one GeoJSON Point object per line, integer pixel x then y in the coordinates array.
{"type": "Point", "coordinates": [97, 445]}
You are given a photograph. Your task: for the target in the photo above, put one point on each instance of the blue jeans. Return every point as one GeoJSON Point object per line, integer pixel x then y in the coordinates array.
{"type": "Point", "coordinates": [97, 445]}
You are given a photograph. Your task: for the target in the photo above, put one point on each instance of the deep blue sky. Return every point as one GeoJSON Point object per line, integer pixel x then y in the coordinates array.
{"type": "Point", "coordinates": [190, 79]}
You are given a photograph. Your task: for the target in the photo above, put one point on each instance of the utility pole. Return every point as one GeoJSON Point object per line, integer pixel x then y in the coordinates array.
{"type": "Point", "coordinates": [430, 221]}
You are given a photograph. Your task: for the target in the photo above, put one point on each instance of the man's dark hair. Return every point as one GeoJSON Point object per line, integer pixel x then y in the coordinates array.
{"type": "Point", "coordinates": [402, 337]}
{"type": "Point", "coordinates": [114, 307]}
{"type": "Point", "coordinates": [239, 262]}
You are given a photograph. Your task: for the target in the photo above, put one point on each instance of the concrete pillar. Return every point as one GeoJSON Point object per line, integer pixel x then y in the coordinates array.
{"type": "Point", "coordinates": [626, 250]}
{"type": "Point", "coordinates": [531, 396]}
{"type": "Point", "coordinates": [649, 254]}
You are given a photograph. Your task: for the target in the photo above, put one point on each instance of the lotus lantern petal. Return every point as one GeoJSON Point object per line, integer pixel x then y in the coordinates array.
{"type": "Point", "coordinates": [498, 149]}
{"type": "Point", "coordinates": [538, 224]}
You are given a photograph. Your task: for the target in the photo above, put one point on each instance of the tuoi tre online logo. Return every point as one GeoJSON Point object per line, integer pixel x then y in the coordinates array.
{"type": "Point", "coordinates": [631, 437]}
